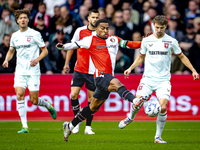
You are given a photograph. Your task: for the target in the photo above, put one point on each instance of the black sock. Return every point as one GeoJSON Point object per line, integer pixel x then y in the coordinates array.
{"type": "Point", "coordinates": [82, 115]}
{"type": "Point", "coordinates": [75, 106]}
{"type": "Point", "coordinates": [125, 94]}
{"type": "Point", "coordinates": [89, 118]}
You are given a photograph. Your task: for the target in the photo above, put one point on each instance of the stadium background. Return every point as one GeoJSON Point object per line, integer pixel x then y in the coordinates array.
{"type": "Point", "coordinates": [184, 103]}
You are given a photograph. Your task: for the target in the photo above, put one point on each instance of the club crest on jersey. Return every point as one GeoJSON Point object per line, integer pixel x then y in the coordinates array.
{"type": "Point", "coordinates": [112, 40]}
{"type": "Point", "coordinates": [28, 39]}
{"type": "Point", "coordinates": [166, 45]}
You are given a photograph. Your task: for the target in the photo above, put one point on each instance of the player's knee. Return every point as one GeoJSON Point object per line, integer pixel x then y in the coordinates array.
{"type": "Point", "coordinates": [94, 108]}
{"type": "Point", "coordinates": [34, 100]}
{"type": "Point", "coordinates": [74, 95]}
{"type": "Point", "coordinates": [20, 96]}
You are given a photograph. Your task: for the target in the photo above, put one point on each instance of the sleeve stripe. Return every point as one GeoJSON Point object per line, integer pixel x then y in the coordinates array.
{"type": "Point", "coordinates": [179, 54]}
{"type": "Point", "coordinates": [77, 44]}
{"type": "Point", "coordinates": [12, 48]}
{"type": "Point", "coordinates": [142, 54]}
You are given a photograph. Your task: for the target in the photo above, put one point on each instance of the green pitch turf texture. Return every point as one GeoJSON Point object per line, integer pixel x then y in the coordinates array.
{"type": "Point", "coordinates": [136, 136]}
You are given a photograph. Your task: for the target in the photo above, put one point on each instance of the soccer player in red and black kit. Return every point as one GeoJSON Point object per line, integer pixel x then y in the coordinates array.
{"type": "Point", "coordinates": [83, 70]}
{"type": "Point", "coordinates": [103, 50]}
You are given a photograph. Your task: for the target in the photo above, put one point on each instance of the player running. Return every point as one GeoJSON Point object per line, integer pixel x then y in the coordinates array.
{"type": "Point", "coordinates": [27, 42]}
{"type": "Point", "coordinates": [83, 70]}
{"type": "Point", "coordinates": [157, 51]}
{"type": "Point", "coordinates": [103, 50]}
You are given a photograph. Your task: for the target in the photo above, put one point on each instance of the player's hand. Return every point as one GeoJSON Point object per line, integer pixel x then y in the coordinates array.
{"type": "Point", "coordinates": [127, 72]}
{"type": "Point", "coordinates": [5, 64]}
{"type": "Point", "coordinates": [66, 68]}
{"type": "Point", "coordinates": [195, 75]}
{"type": "Point", "coordinates": [33, 62]}
{"type": "Point", "coordinates": [60, 46]}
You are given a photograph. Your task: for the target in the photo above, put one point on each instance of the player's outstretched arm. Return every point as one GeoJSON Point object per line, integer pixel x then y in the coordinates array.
{"type": "Point", "coordinates": [67, 46]}
{"type": "Point", "coordinates": [9, 56]}
{"type": "Point", "coordinates": [188, 64]}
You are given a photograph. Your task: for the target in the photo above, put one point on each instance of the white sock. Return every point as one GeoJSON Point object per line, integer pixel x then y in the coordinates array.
{"type": "Point", "coordinates": [71, 127]}
{"type": "Point", "coordinates": [42, 102]}
{"type": "Point", "coordinates": [87, 127]}
{"type": "Point", "coordinates": [21, 107]}
{"type": "Point", "coordinates": [132, 113]}
{"type": "Point", "coordinates": [161, 119]}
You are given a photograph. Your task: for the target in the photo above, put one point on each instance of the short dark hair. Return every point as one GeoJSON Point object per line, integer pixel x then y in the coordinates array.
{"type": "Point", "coordinates": [160, 19]}
{"type": "Point", "coordinates": [100, 21]}
{"type": "Point", "coordinates": [42, 3]}
{"type": "Point", "coordinates": [6, 9]}
{"type": "Point", "coordinates": [6, 35]}
{"type": "Point", "coordinates": [93, 11]}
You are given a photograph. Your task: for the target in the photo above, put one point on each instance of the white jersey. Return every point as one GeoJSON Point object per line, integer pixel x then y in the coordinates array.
{"type": "Point", "coordinates": [27, 45]}
{"type": "Point", "coordinates": [158, 56]}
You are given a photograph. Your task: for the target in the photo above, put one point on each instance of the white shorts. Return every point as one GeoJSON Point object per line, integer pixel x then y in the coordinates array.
{"type": "Point", "coordinates": [32, 81]}
{"type": "Point", "coordinates": [162, 89]}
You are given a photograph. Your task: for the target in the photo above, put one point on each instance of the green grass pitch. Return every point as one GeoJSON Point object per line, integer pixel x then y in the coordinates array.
{"type": "Point", "coordinates": [136, 136]}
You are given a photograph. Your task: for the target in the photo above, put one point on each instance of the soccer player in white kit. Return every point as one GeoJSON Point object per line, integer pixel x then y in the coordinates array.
{"type": "Point", "coordinates": [27, 42]}
{"type": "Point", "coordinates": [156, 50]}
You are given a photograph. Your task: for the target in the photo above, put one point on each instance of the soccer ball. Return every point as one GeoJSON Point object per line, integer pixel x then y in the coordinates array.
{"type": "Point", "coordinates": [152, 108]}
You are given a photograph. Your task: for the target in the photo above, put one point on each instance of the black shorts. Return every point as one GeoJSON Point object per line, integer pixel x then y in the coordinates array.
{"type": "Point", "coordinates": [80, 78]}
{"type": "Point", "coordinates": [102, 82]}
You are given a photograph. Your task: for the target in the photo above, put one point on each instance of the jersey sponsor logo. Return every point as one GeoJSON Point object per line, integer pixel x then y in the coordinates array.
{"type": "Point", "coordinates": [23, 46]}
{"type": "Point", "coordinates": [112, 40]}
{"type": "Point", "coordinates": [150, 45]}
{"type": "Point", "coordinates": [109, 46]}
{"type": "Point", "coordinates": [167, 41]}
{"type": "Point", "coordinates": [28, 39]}
{"type": "Point", "coordinates": [166, 45]}
{"type": "Point", "coordinates": [157, 53]}
{"type": "Point", "coordinates": [28, 36]}
{"type": "Point", "coordinates": [16, 40]}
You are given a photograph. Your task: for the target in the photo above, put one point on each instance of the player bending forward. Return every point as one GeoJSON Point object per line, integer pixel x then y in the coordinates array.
{"type": "Point", "coordinates": [27, 42]}
{"type": "Point", "coordinates": [157, 50]}
{"type": "Point", "coordinates": [103, 50]}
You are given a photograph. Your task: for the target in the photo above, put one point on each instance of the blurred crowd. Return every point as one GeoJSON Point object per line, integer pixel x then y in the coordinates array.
{"type": "Point", "coordinates": [57, 21]}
